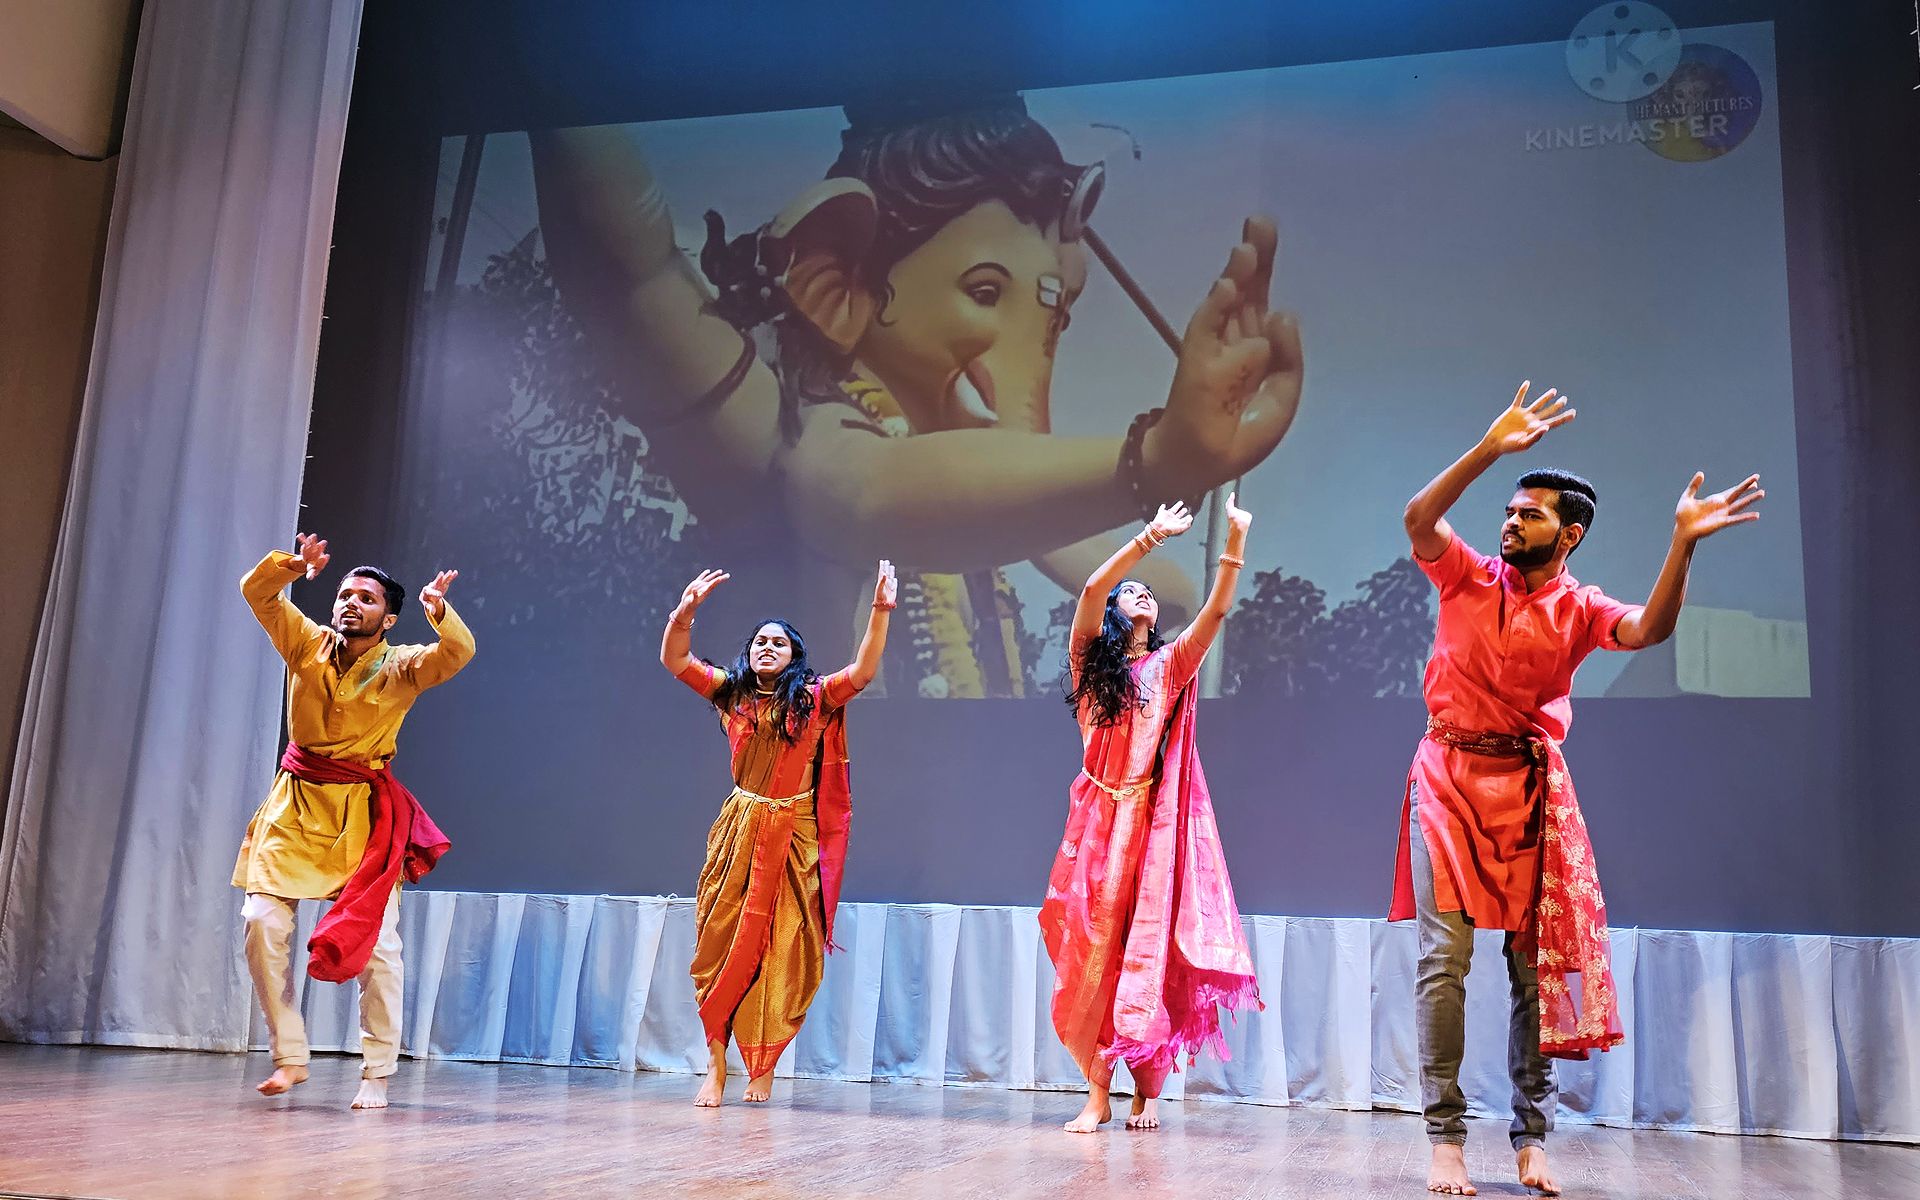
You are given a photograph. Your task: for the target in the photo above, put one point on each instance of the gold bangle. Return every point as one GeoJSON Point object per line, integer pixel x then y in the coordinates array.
{"type": "Point", "coordinates": [677, 624]}
{"type": "Point", "coordinates": [1232, 560]}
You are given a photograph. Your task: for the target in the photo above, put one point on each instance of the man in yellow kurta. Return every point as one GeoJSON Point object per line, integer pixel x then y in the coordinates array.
{"type": "Point", "coordinates": [347, 692]}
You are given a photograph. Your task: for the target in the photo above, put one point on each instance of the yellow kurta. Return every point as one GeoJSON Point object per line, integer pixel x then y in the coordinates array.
{"type": "Point", "coordinates": [306, 840]}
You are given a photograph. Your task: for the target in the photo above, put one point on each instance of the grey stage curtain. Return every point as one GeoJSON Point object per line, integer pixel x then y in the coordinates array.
{"type": "Point", "coordinates": [149, 726]}
{"type": "Point", "coordinates": [1805, 1035]}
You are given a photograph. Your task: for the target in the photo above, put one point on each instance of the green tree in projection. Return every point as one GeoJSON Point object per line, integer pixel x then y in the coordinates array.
{"type": "Point", "coordinates": [1282, 640]}
{"type": "Point", "coordinates": [1272, 640]}
{"type": "Point", "coordinates": [544, 481]}
{"type": "Point", "coordinates": [1046, 653]}
{"type": "Point", "coordinates": [1376, 643]}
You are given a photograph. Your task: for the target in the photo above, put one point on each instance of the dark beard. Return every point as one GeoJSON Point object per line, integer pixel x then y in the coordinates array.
{"type": "Point", "coordinates": [1528, 558]}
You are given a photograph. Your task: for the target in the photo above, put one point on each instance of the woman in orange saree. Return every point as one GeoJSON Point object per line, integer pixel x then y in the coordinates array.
{"type": "Point", "coordinates": [763, 913]}
{"type": "Point", "coordinates": [1139, 918]}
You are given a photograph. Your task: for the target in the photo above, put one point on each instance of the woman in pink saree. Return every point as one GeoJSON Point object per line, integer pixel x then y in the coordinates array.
{"type": "Point", "coordinates": [1139, 918]}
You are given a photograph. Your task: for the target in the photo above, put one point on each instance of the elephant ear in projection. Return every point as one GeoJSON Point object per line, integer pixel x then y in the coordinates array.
{"type": "Point", "coordinates": [869, 373]}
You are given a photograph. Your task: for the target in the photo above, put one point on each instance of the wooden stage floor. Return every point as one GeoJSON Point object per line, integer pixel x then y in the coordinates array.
{"type": "Point", "coordinates": [152, 1125]}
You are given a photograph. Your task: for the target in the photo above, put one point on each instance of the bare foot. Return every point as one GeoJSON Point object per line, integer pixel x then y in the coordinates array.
{"type": "Point", "coordinates": [1146, 1113]}
{"type": "Point", "coordinates": [1097, 1113]}
{"type": "Point", "coordinates": [372, 1094]}
{"type": "Point", "coordinates": [715, 1088]}
{"type": "Point", "coordinates": [759, 1088]}
{"type": "Point", "coordinates": [1534, 1171]}
{"type": "Point", "coordinates": [1448, 1174]}
{"type": "Point", "coordinates": [282, 1081]}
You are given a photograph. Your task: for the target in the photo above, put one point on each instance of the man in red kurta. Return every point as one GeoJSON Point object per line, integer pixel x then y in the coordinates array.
{"type": "Point", "coordinates": [1491, 835]}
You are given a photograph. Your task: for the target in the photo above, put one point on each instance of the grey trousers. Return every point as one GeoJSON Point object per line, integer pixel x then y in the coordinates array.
{"type": "Point", "coordinates": [1440, 1002]}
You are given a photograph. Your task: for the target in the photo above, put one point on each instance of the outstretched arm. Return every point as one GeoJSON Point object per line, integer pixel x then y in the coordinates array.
{"type": "Point", "coordinates": [676, 642]}
{"type": "Point", "coordinates": [1197, 637]}
{"type": "Point", "coordinates": [961, 500]}
{"type": "Point", "coordinates": [866, 662]}
{"type": "Point", "coordinates": [1518, 428]}
{"type": "Point", "coordinates": [609, 238]}
{"type": "Point", "coordinates": [1694, 518]}
{"type": "Point", "coordinates": [1175, 589]}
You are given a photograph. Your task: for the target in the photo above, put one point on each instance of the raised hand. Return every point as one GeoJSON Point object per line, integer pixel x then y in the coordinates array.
{"type": "Point", "coordinates": [1237, 386]}
{"type": "Point", "coordinates": [1239, 519]}
{"type": "Point", "coordinates": [1698, 516]}
{"type": "Point", "coordinates": [697, 591]}
{"type": "Point", "coordinates": [1171, 521]}
{"type": "Point", "coordinates": [433, 597]}
{"type": "Point", "coordinates": [886, 588]}
{"type": "Point", "coordinates": [313, 553]}
{"type": "Point", "coordinates": [1526, 422]}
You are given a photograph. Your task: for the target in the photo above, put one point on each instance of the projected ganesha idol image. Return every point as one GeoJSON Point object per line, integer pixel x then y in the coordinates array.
{"type": "Point", "coordinates": [867, 371]}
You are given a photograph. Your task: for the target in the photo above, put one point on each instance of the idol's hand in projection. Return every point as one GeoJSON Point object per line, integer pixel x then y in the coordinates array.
{"type": "Point", "coordinates": [886, 588]}
{"type": "Point", "coordinates": [313, 553]}
{"type": "Point", "coordinates": [1698, 516]}
{"type": "Point", "coordinates": [1237, 386]}
{"type": "Point", "coordinates": [433, 597]}
{"type": "Point", "coordinates": [1525, 421]}
{"type": "Point", "coordinates": [1171, 521]}
{"type": "Point", "coordinates": [702, 584]}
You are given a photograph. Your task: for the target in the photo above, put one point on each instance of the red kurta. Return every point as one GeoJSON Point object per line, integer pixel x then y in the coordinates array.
{"type": "Point", "coordinates": [1503, 662]}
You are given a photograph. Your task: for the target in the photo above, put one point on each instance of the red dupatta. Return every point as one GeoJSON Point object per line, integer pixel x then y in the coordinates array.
{"type": "Point", "coordinates": [833, 812]}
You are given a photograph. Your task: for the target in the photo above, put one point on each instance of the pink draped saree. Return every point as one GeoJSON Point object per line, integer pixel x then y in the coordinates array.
{"type": "Point", "coordinates": [1139, 917]}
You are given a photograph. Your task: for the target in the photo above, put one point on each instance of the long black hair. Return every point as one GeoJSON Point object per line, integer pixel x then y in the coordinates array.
{"type": "Point", "coordinates": [1106, 683]}
{"type": "Point", "coordinates": [792, 697]}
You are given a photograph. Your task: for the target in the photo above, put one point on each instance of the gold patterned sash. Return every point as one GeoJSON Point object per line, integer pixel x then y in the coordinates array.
{"type": "Point", "coordinates": [1493, 745]}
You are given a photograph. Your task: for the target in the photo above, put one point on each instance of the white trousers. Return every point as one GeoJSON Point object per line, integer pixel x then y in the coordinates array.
{"type": "Point", "coordinates": [269, 957]}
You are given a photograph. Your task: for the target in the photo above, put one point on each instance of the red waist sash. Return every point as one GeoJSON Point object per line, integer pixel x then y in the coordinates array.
{"type": "Point", "coordinates": [401, 840]}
